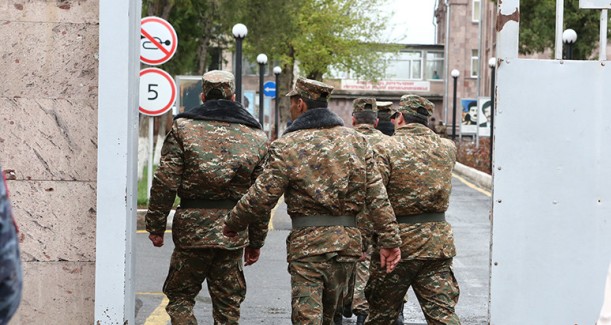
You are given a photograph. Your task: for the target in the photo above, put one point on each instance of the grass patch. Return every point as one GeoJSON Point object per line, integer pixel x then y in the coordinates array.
{"type": "Point", "coordinates": [143, 202]}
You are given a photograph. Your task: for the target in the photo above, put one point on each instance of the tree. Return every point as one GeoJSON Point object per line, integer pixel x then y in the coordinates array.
{"type": "Point", "coordinates": [314, 35]}
{"type": "Point", "coordinates": [537, 26]}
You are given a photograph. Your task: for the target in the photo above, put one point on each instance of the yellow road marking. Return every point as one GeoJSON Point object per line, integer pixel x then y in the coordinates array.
{"type": "Point", "coordinates": [473, 186]}
{"type": "Point", "coordinates": [273, 213]}
{"type": "Point", "coordinates": [159, 316]}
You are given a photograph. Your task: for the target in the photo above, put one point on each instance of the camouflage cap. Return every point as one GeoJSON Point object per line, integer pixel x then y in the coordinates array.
{"type": "Point", "coordinates": [311, 89]}
{"type": "Point", "coordinates": [364, 104]}
{"type": "Point", "coordinates": [220, 80]}
{"type": "Point", "coordinates": [416, 105]}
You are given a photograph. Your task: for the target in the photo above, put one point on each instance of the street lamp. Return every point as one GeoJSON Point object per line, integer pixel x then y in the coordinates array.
{"type": "Point", "coordinates": [569, 37]}
{"type": "Point", "coordinates": [262, 60]}
{"type": "Point", "coordinates": [455, 73]}
{"type": "Point", "coordinates": [277, 71]}
{"type": "Point", "coordinates": [239, 32]}
{"type": "Point", "coordinates": [492, 65]}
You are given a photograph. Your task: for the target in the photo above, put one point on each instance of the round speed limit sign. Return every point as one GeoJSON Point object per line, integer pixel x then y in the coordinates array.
{"type": "Point", "coordinates": [157, 92]}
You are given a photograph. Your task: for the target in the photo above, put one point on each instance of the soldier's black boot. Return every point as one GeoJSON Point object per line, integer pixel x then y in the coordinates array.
{"type": "Point", "coordinates": [360, 319]}
{"type": "Point", "coordinates": [400, 318]}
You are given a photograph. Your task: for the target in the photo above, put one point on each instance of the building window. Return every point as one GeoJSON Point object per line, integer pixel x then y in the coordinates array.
{"type": "Point", "coordinates": [434, 66]}
{"type": "Point", "coordinates": [476, 11]}
{"type": "Point", "coordinates": [474, 63]}
{"type": "Point", "coordinates": [405, 66]}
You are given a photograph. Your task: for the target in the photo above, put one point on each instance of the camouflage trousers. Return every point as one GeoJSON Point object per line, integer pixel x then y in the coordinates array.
{"type": "Point", "coordinates": [433, 283]}
{"type": "Point", "coordinates": [354, 299]}
{"type": "Point", "coordinates": [359, 301]}
{"type": "Point", "coordinates": [221, 268]}
{"type": "Point", "coordinates": [318, 284]}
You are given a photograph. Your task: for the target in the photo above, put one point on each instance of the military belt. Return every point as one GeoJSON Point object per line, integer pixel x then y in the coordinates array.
{"type": "Point", "coordinates": [422, 218]}
{"type": "Point", "coordinates": [323, 220]}
{"type": "Point", "coordinates": [207, 204]}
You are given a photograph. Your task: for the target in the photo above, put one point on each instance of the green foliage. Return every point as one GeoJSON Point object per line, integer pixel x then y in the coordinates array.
{"type": "Point", "coordinates": [142, 201]}
{"type": "Point", "coordinates": [199, 24]}
{"type": "Point", "coordinates": [538, 26]}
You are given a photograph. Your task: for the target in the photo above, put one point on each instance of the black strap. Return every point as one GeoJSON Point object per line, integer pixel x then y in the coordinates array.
{"type": "Point", "coordinates": [323, 221]}
{"type": "Point", "coordinates": [422, 218]}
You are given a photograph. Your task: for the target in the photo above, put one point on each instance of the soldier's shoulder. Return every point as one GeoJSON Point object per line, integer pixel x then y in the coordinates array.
{"type": "Point", "coordinates": [448, 143]}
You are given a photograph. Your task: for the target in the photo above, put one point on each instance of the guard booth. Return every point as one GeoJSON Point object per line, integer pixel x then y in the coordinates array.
{"type": "Point", "coordinates": [551, 228]}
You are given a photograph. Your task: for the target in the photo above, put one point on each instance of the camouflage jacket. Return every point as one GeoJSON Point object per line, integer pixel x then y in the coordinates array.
{"type": "Point", "coordinates": [10, 265]}
{"type": "Point", "coordinates": [213, 152]}
{"type": "Point", "coordinates": [374, 137]}
{"type": "Point", "coordinates": [322, 168]}
{"type": "Point", "coordinates": [416, 166]}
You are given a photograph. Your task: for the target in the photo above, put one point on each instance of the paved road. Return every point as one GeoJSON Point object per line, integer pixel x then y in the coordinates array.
{"type": "Point", "coordinates": [268, 297]}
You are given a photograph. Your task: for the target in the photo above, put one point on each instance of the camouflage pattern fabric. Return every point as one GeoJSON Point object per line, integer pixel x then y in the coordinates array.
{"type": "Point", "coordinates": [221, 268]}
{"type": "Point", "coordinates": [11, 280]}
{"type": "Point", "coordinates": [206, 160]}
{"type": "Point", "coordinates": [311, 89]}
{"type": "Point", "coordinates": [221, 80]}
{"type": "Point", "coordinates": [364, 104]}
{"type": "Point", "coordinates": [416, 105]}
{"type": "Point", "coordinates": [432, 280]}
{"type": "Point", "coordinates": [318, 284]}
{"type": "Point", "coordinates": [360, 306]}
{"type": "Point", "coordinates": [416, 166]}
{"type": "Point", "coordinates": [355, 295]}
{"type": "Point", "coordinates": [320, 175]}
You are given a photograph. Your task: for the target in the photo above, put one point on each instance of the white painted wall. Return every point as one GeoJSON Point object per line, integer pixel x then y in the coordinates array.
{"type": "Point", "coordinates": [551, 233]}
{"type": "Point", "coordinates": [117, 160]}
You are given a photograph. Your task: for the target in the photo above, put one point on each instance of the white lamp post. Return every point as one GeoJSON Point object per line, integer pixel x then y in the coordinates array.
{"type": "Point", "coordinates": [262, 60]}
{"type": "Point", "coordinates": [239, 32]}
{"type": "Point", "coordinates": [455, 73]}
{"type": "Point", "coordinates": [569, 37]}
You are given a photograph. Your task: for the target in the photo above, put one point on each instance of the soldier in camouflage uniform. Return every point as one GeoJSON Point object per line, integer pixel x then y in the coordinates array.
{"type": "Point", "coordinates": [210, 158]}
{"type": "Point", "coordinates": [416, 166]}
{"type": "Point", "coordinates": [10, 264]}
{"type": "Point", "coordinates": [364, 120]}
{"type": "Point", "coordinates": [384, 113]}
{"type": "Point", "coordinates": [327, 175]}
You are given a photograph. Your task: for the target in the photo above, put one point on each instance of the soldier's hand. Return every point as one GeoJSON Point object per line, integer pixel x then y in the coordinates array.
{"type": "Point", "coordinates": [363, 257]}
{"type": "Point", "coordinates": [156, 239]}
{"type": "Point", "coordinates": [228, 232]}
{"type": "Point", "coordinates": [389, 258]}
{"type": "Point", "coordinates": [251, 255]}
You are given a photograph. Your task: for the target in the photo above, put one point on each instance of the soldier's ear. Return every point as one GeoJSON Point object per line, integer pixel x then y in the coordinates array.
{"type": "Point", "coordinates": [302, 105]}
{"type": "Point", "coordinates": [202, 97]}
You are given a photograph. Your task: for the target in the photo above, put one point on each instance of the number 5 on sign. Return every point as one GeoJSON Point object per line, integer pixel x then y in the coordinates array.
{"type": "Point", "coordinates": [157, 92]}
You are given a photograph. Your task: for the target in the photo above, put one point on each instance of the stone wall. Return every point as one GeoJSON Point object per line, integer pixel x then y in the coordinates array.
{"type": "Point", "coordinates": [48, 143]}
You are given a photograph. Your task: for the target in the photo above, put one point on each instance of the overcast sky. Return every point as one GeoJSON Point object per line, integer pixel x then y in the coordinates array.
{"type": "Point", "coordinates": [411, 21]}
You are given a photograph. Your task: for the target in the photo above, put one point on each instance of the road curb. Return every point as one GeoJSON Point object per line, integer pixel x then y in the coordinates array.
{"type": "Point", "coordinates": [475, 176]}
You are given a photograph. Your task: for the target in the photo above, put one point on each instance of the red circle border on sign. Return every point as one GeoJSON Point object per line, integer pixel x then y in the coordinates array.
{"type": "Point", "coordinates": [174, 40]}
{"type": "Point", "coordinates": [172, 98]}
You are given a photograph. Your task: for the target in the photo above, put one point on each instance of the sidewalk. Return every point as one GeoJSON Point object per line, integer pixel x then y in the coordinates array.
{"type": "Point", "coordinates": [474, 176]}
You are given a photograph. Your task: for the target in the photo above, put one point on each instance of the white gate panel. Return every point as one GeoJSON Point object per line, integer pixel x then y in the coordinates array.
{"type": "Point", "coordinates": [551, 232]}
